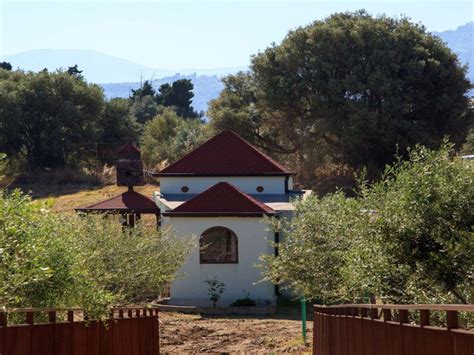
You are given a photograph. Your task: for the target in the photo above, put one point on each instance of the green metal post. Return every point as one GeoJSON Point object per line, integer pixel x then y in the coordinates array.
{"type": "Point", "coordinates": [303, 318]}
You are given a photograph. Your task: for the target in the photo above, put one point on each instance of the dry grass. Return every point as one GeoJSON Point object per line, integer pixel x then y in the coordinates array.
{"type": "Point", "coordinates": [64, 198]}
{"type": "Point", "coordinates": [185, 333]}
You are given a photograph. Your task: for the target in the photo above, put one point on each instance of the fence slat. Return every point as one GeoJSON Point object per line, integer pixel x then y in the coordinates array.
{"type": "Point", "coordinates": [135, 334]}
{"type": "Point", "coordinates": [357, 330]}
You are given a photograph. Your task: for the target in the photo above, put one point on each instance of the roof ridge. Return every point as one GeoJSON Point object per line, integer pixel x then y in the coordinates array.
{"type": "Point", "coordinates": [261, 206]}
{"type": "Point", "coordinates": [129, 147]}
{"type": "Point", "coordinates": [116, 196]}
{"type": "Point", "coordinates": [254, 200]}
{"type": "Point", "coordinates": [193, 151]}
{"type": "Point", "coordinates": [214, 156]}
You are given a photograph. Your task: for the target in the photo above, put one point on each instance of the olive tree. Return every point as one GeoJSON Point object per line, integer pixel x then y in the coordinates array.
{"type": "Point", "coordinates": [62, 260]}
{"type": "Point", "coordinates": [407, 238]}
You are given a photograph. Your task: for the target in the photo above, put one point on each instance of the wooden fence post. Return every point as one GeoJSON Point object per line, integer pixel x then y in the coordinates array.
{"type": "Point", "coordinates": [452, 321]}
{"type": "Point", "coordinates": [403, 316]}
{"type": "Point", "coordinates": [424, 317]}
{"type": "Point", "coordinates": [3, 326]}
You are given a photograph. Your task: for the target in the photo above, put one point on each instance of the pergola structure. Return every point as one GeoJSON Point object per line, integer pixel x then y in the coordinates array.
{"type": "Point", "coordinates": [130, 204]}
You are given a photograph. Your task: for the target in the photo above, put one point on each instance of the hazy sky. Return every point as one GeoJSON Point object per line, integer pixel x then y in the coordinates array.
{"type": "Point", "coordinates": [190, 34]}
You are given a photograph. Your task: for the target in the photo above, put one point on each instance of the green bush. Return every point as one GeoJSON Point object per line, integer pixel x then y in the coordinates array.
{"type": "Point", "coordinates": [408, 238]}
{"type": "Point", "coordinates": [168, 137]}
{"type": "Point", "coordinates": [52, 260]}
{"type": "Point", "coordinates": [247, 301]}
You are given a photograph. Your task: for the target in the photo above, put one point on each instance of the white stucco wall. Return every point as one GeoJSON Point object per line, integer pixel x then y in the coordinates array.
{"type": "Point", "coordinates": [248, 184]}
{"type": "Point", "coordinates": [253, 236]}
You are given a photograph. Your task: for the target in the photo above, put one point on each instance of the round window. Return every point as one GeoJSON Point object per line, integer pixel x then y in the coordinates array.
{"type": "Point", "coordinates": [184, 189]}
{"type": "Point", "coordinates": [260, 188]}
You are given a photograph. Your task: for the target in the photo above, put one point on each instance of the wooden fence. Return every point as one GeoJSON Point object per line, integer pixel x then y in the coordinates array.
{"type": "Point", "coordinates": [128, 331]}
{"type": "Point", "coordinates": [369, 329]}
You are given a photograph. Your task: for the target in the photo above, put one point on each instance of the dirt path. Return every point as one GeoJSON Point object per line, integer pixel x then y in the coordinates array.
{"type": "Point", "coordinates": [184, 333]}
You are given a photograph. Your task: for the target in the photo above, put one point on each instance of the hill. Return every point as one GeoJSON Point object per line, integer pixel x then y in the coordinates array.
{"type": "Point", "coordinates": [99, 67]}
{"type": "Point", "coordinates": [461, 41]}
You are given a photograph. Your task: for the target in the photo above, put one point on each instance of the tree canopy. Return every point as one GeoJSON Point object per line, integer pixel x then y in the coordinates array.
{"type": "Point", "coordinates": [349, 89]}
{"type": "Point", "coordinates": [407, 238]}
{"type": "Point", "coordinates": [177, 95]}
{"type": "Point", "coordinates": [46, 259]}
{"type": "Point", "coordinates": [167, 137]}
{"type": "Point", "coordinates": [5, 65]}
{"type": "Point", "coordinates": [45, 116]}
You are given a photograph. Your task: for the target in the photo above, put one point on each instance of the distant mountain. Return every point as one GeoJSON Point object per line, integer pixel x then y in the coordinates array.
{"type": "Point", "coordinates": [99, 67]}
{"type": "Point", "coordinates": [118, 76]}
{"type": "Point", "coordinates": [206, 88]}
{"type": "Point", "coordinates": [461, 41]}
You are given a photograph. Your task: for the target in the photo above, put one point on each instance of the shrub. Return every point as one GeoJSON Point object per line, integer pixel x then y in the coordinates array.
{"type": "Point", "coordinates": [244, 302]}
{"type": "Point", "coordinates": [215, 289]}
{"type": "Point", "coordinates": [52, 260]}
{"type": "Point", "coordinates": [408, 238]}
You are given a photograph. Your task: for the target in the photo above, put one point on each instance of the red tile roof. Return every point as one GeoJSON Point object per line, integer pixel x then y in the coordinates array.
{"type": "Point", "coordinates": [226, 154]}
{"type": "Point", "coordinates": [222, 199]}
{"type": "Point", "coordinates": [130, 201]}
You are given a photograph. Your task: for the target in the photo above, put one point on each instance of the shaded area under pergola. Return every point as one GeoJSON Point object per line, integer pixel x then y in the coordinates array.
{"type": "Point", "coordinates": [130, 205]}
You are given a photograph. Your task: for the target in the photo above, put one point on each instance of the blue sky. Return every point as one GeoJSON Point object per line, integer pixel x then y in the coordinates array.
{"type": "Point", "coordinates": [190, 34]}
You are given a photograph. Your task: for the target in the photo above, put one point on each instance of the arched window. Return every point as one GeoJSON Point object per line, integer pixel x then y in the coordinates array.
{"type": "Point", "coordinates": [218, 245]}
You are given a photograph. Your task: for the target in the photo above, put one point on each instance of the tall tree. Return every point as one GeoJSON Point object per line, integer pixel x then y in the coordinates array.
{"type": "Point", "coordinates": [5, 65]}
{"type": "Point", "coordinates": [146, 89]}
{"type": "Point", "coordinates": [145, 108]}
{"type": "Point", "coordinates": [47, 117]}
{"type": "Point", "coordinates": [179, 95]}
{"type": "Point", "coordinates": [74, 71]}
{"type": "Point", "coordinates": [168, 137]}
{"type": "Point", "coordinates": [352, 85]}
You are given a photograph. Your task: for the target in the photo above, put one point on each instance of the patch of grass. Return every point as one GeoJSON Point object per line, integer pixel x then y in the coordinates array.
{"type": "Point", "coordinates": [65, 198]}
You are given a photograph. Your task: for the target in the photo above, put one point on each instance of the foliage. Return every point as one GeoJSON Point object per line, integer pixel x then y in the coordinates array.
{"type": "Point", "coordinates": [57, 121]}
{"type": "Point", "coordinates": [118, 124]}
{"type": "Point", "coordinates": [45, 116]}
{"type": "Point", "coordinates": [52, 260]}
{"type": "Point", "coordinates": [145, 109]}
{"type": "Point", "coordinates": [74, 71]}
{"type": "Point", "coordinates": [247, 301]}
{"type": "Point", "coordinates": [468, 147]}
{"type": "Point", "coordinates": [5, 65]}
{"type": "Point", "coordinates": [215, 289]}
{"type": "Point", "coordinates": [133, 265]}
{"type": "Point", "coordinates": [337, 91]}
{"type": "Point", "coordinates": [407, 238]}
{"type": "Point", "coordinates": [168, 137]}
{"type": "Point", "coordinates": [177, 96]}
{"type": "Point", "coordinates": [311, 254]}
{"type": "Point", "coordinates": [3, 167]}
{"type": "Point", "coordinates": [144, 90]}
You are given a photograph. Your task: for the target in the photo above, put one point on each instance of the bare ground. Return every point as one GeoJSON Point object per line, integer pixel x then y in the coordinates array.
{"type": "Point", "coordinates": [186, 333]}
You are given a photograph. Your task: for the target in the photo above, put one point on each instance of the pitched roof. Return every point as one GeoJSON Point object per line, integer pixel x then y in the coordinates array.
{"type": "Point", "coordinates": [222, 199]}
{"type": "Point", "coordinates": [130, 201]}
{"type": "Point", "coordinates": [226, 154]}
{"type": "Point", "coordinates": [129, 148]}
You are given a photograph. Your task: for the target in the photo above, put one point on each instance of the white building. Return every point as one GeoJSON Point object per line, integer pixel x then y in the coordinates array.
{"type": "Point", "coordinates": [221, 192]}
